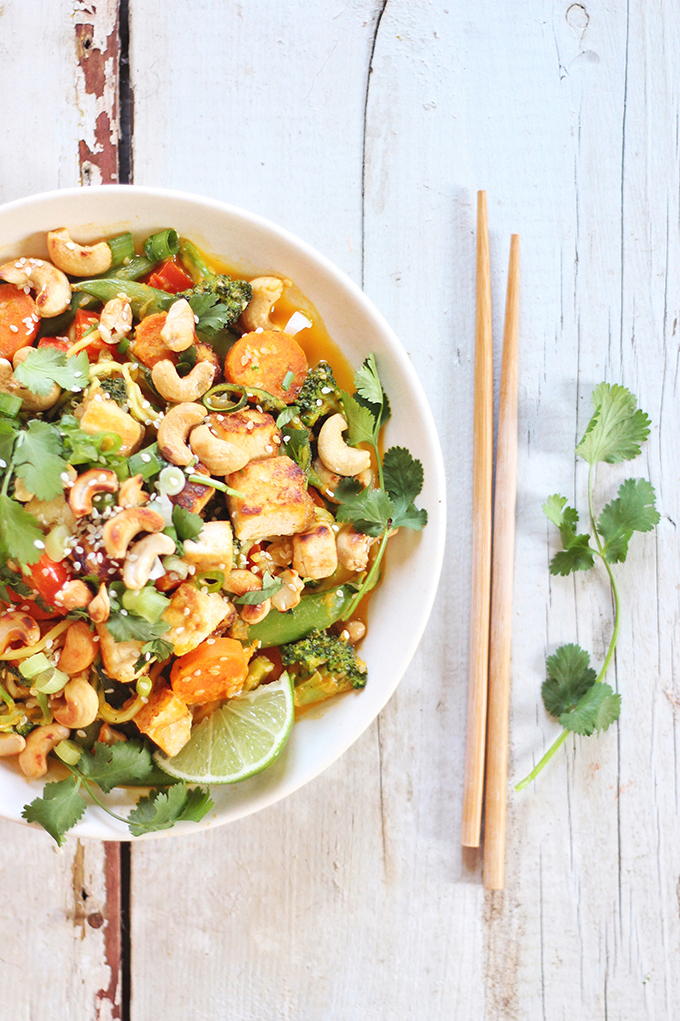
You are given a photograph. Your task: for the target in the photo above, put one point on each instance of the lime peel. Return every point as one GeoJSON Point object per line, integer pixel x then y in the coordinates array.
{"type": "Point", "coordinates": [239, 739]}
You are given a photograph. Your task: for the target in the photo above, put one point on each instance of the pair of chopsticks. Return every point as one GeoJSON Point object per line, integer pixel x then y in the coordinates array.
{"type": "Point", "coordinates": [492, 569]}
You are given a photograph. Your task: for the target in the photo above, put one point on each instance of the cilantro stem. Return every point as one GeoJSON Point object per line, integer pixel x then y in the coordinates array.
{"type": "Point", "coordinates": [370, 578]}
{"type": "Point", "coordinates": [557, 744]}
{"type": "Point", "coordinates": [88, 787]}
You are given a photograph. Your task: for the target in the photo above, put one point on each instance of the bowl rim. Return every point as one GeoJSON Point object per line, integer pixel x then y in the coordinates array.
{"type": "Point", "coordinates": [95, 824]}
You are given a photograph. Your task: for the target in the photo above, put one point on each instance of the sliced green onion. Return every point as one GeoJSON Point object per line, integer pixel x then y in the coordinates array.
{"type": "Point", "coordinates": [50, 681]}
{"type": "Point", "coordinates": [122, 248]}
{"type": "Point", "coordinates": [41, 699]}
{"type": "Point", "coordinates": [144, 686]}
{"type": "Point", "coordinates": [171, 480]}
{"type": "Point", "coordinates": [287, 380]}
{"type": "Point", "coordinates": [175, 565]}
{"type": "Point", "coordinates": [69, 752]}
{"type": "Point", "coordinates": [55, 542]}
{"type": "Point", "coordinates": [146, 462]}
{"type": "Point", "coordinates": [214, 402]}
{"type": "Point", "coordinates": [10, 405]}
{"type": "Point", "coordinates": [123, 345]}
{"type": "Point", "coordinates": [162, 246]}
{"type": "Point", "coordinates": [6, 697]}
{"type": "Point", "coordinates": [34, 665]}
{"type": "Point", "coordinates": [148, 603]}
{"type": "Point", "coordinates": [206, 480]}
{"type": "Point", "coordinates": [210, 580]}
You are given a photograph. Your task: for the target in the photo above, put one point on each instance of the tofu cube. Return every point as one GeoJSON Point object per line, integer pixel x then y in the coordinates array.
{"type": "Point", "coordinates": [166, 720]}
{"type": "Point", "coordinates": [315, 554]}
{"type": "Point", "coordinates": [106, 416]}
{"type": "Point", "coordinates": [192, 616]}
{"type": "Point", "coordinates": [211, 550]}
{"type": "Point", "coordinates": [275, 500]}
{"type": "Point", "coordinates": [194, 497]}
{"type": "Point", "coordinates": [252, 433]}
{"type": "Point", "coordinates": [119, 658]}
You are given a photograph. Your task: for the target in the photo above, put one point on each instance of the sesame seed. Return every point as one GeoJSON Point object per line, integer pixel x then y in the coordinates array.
{"type": "Point", "coordinates": [39, 544]}
{"type": "Point", "coordinates": [13, 328]}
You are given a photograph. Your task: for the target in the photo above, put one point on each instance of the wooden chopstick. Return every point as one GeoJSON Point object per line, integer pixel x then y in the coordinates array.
{"type": "Point", "coordinates": [481, 542]}
{"type": "Point", "coordinates": [501, 591]}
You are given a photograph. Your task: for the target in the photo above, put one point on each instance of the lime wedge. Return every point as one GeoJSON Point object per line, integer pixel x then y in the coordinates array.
{"type": "Point", "coordinates": [241, 738]}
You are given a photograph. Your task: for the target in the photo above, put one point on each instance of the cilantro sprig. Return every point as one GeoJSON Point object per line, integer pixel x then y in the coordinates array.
{"type": "Point", "coordinates": [573, 693]}
{"type": "Point", "coordinates": [377, 511]}
{"type": "Point", "coordinates": [126, 763]}
{"type": "Point", "coordinates": [45, 366]}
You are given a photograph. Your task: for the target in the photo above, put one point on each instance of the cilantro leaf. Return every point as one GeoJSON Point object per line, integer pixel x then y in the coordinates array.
{"type": "Point", "coordinates": [569, 678]}
{"type": "Point", "coordinates": [8, 434]}
{"type": "Point", "coordinates": [213, 315]}
{"type": "Point", "coordinates": [363, 423]}
{"type": "Point", "coordinates": [287, 415]}
{"type": "Point", "coordinates": [297, 447]}
{"type": "Point", "coordinates": [370, 511]}
{"type": "Point", "coordinates": [19, 532]}
{"type": "Point", "coordinates": [270, 586]}
{"type": "Point", "coordinates": [38, 460]}
{"type": "Point", "coordinates": [187, 524]}
{"type": "Point", "coordinates": [44, 366]}
{"type": "Point", "coordinates": [403, 476]}
{"type": "Point", "coordinates": [163, 808]}
{"type": "Point", "coordinates": [578, 556]}
{"type": "Point", "coordinates": [633, 510]}
{"type": "Point", "coordinates": [595, 710]}
{"type": "Point", "coordinates": [59, 808]}
{"type": "Point", "coordinates": [367, 381]}
{"type": "Point", "coordinates": [158, 648]}
{"type": "Point", "coordinates": [616, 429]}
{"type": "Point", "coordinates": [115, 765]}
{"type": "Point", "coordinates": [565, 517]}
{"type": "Point", "coordinates": [132, 628]}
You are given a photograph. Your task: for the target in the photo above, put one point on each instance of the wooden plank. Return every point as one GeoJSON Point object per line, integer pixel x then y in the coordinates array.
{"type": "Point", "coordinates": [60, 941]}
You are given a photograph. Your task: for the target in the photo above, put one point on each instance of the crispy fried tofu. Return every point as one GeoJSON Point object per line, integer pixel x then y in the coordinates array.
{"type": "Point", "coordinates": [253, 433]}
{"type": "Point", "coordinates": [212, 549]}
{"type": "Point", "coordinates": [315, 554]}
{"type": "Point", "coordinates": [166, 720]}
{"type": "Point", "coordinates": [194, 497]}
{"type": "Point", "coordinates": [106, 416]}
{"type": "Point", "coordinates": [119, 658]}
{"type": "Point", "coordinates": [192, 615]}
{"type": "Point", "coordinates": [275, 500]}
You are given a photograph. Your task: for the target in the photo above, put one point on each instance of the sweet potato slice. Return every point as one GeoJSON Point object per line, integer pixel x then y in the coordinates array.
{"type": "Point", "coordinates": [271, 361]}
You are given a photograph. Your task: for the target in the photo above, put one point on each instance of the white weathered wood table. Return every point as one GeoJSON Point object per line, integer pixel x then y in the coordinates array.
{"type": "Point", "coordinates": [366, 127]}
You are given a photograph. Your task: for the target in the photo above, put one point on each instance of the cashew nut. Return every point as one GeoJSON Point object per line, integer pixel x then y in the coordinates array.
{"type": "Point", "coordinates": [53, 291]}
{"type": "Point", "coordinates": [21, 493]}
{"type": "Point", "coordinates": [177, 388]}
{"type": "Point", "coordinates": [116, 320]}
{"type": "Point", "coordinates": [100, 607]}
{"type": "Point", "coordinates": [119, 530]}
{"type": "Point", "coordinates": [179, 329]}
{"type": "Point", "coordinates": [11, 744]}
{"type": "Point", "coordinates": [288, 596]}
{"type": "Point", "coordinates": [82, 704]}
{"type": "Point", "coordinates": [74, 595]}
{"type": "Point", "coordinates": [77, 260]}
{"type": "Point", "coordinates": [80, 649]}
{"type": "Point", "coordinates": [356, 629]}
{"type": "Point", "coordinates": [266, 292]}
{"type": "Point", "coordinates": [87, 485]}
{"type": "Point", "coordinates": [107, 735]}
{"type": "Point", "coordinates": [334, 452]}
{"type": "Point", "coordinates": [17, 627]}
{"type": "Point", "coordinates": [9, 384]}
{"type": "Point", "coordinates": [353, 548]}
{"type": "Point", "coordinates": [39, 743]}
{"type": "Point", "coordinates": [174, 429]}
{"type": "Point", "coordinates": [219, 456]}
{"type": "Point", "coordinates": [131, 493]}
{"type": "Point", "coordinates": [240, 582]}
{"type": "Point", "coordinates": [141, 559]}
{"type": "Point", "coordinates": [329, 480]}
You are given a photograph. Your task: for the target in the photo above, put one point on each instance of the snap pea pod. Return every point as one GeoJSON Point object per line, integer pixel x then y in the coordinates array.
{"type": "Point", "coordinates": [144, 300]}
{"type": "Point", "coordinates": [314, 612]}
{"type": "Point", "coordinates": [194, 263]}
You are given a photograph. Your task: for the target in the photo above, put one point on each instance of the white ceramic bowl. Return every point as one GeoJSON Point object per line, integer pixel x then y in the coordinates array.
{"type": "Point", "coordinates": [401, 606]}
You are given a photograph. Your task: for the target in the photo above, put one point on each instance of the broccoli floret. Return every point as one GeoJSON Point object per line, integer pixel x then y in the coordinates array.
{"type": "Point", "coordinates": [116, 388]}
{"type": "Point", "coordinates": [326, 665]}
{"type": "Point", "coordinates": [217, 299]}
{"type": "Point", "coordinates": [319, 395]}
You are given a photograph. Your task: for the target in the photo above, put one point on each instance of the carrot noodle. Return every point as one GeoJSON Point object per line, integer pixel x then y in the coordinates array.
{"type": "Point", "coordinates": [83, 343]}
{"type": "Point", "coordinates": [39, 646]}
